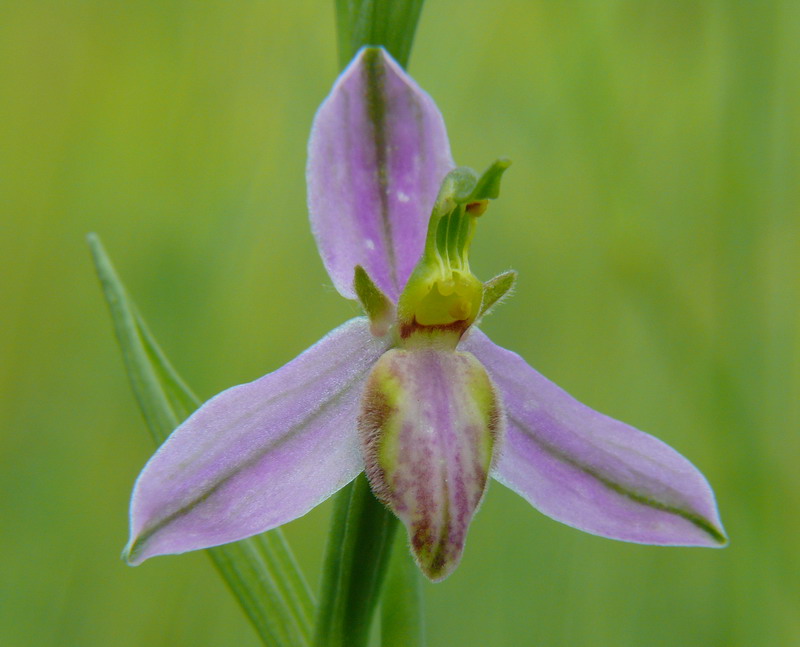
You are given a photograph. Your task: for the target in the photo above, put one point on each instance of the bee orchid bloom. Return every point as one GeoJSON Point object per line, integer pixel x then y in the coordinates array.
{"type": "Point", "coordinates": [414, 393]}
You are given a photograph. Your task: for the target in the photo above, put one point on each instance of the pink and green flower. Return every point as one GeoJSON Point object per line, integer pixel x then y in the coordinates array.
{"type": "Point", "coordinates": [413, 393]}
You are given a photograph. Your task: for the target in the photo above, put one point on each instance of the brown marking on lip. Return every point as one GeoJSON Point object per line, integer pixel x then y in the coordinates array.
{"type": "Point", "coordinates": [457, 327]}
{"type": "Point", "coordinates": [375, 412]}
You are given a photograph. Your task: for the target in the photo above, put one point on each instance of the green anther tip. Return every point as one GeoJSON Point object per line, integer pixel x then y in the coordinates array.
{"type": "Point", "coordinates": [487, 186]}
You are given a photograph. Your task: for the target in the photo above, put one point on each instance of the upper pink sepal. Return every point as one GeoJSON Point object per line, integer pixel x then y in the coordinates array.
{"type": "Point", "coordinates": [376, 157]}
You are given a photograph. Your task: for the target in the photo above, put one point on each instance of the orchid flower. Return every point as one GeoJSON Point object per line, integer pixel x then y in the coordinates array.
{"type": "Point", "coordinates": [414, 393]}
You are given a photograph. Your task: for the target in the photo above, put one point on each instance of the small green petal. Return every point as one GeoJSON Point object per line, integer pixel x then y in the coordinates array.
{"type": "Point", "coordinates": [497, 289]}
{"type": "Point", "coordinates": [377, 306]}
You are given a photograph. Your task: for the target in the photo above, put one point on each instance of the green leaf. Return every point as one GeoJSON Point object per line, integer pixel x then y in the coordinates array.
{"type": "Point", "coordinates": [402, 619]}
{"type": "Point", "coordinates": [381, 23]}
{"type": "Point", "coordinates": [264, 577]}
{"type": "Point", "coordinates": [260, 571]}
{"type": "Point", "coordinates": [356, 561]}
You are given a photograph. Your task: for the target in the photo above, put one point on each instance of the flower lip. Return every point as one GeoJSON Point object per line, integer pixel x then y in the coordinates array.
{"type": "Point", "coordinates": [430, 426]}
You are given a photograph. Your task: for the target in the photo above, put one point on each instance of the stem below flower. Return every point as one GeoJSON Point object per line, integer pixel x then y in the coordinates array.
{"type": "Point", "coordinates": [362, 529]}
{"type": "Point", "coordinates": [356, 561]}
{"type": "Point", "coordinates": [382, 23]}
{"type": "Point", "coordinates": [402, 618]}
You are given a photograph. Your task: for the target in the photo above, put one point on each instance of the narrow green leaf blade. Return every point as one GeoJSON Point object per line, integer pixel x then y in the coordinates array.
{"type": "Point", "coordinates": [264, 577]}
{"type": "Point", "coordinates": [356, 562]}
{"type": "Point", "coordinates": [260, 571]}
{"type": "Point", "coordinates": [145, 375]}
{"type": "Point", "coordinates": [402, 618]}
{"type": "Point", "coordinates": [382, 23]}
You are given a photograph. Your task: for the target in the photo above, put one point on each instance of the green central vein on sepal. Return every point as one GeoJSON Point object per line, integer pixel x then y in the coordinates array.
{"type": "Point", "coordinates": [376, 103]}
{"type": "Point", "coordinates": [640, 498]}
{"type": "Point", "coordinates": [134, 548]}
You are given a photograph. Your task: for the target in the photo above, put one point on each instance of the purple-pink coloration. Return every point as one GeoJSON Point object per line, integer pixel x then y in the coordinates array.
{"type": "Point", "coordinates": [376, 157]}
{"type": "Point", "coordinates": [288, 439]}
{"type": "Point", "coordinates": [261, 454]}
{"type": "Point", "coordinates": [430, 423]}
{"type": "Point", "coordinates": [590, 471]}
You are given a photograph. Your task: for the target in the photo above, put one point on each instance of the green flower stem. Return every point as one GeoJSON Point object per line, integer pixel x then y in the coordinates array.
{"type": "Point", "coordinates": [260, 571]}
{"type": "Point", "coordinates": [356, 562]}
{"type": "Point", "coordinates": [387, 23]}
{"type": "Point", "coordinates": [362, 530]}
{"type": "Point", "coordinates": [402, 621]}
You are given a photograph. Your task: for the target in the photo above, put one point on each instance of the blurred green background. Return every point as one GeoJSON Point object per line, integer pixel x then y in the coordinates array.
{"type": "Point", "coordinates": [652, 213]}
